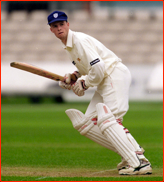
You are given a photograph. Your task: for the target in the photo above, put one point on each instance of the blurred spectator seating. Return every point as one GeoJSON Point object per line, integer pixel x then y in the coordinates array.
{"type": "Point", "coordinates": [18, 16]}
{"type": "Point", "coordinates": [135, 36]}
{"type": "Point", "coordinates": [3, 16]}
{"type": "Point", "coordinates": [38, 16]}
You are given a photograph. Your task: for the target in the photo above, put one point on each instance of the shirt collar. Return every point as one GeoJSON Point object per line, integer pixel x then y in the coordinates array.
{"type": "Point", "coordinates": [69, 40]}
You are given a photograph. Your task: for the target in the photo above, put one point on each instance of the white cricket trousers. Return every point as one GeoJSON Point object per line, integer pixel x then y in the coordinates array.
{"type": "Point", "coordinates": [114, 92]}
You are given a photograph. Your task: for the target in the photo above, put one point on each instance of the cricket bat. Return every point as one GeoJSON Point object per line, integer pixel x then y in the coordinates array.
{"type": "Point", "coordinates": [39, 71]}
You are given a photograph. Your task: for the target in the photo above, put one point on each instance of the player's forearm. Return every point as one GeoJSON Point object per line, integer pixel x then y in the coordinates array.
{"type": "Point", "coordinates": [96, 75]}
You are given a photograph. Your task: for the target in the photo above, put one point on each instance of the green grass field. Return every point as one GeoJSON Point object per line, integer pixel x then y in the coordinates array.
{"type": "Point", "coordinates": [39, 143]}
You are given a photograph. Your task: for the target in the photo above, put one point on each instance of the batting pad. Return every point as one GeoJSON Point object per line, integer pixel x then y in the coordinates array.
{"type": "Point", "coordinates": [116, 135]}
{"type": "Point", "coordinates": [136, 146]}
{"type": "Point", "coordinates": [87, 128]}
{"type": "Point", "coordinates": [133, 141]}
{"type": "Point", "coordinates": [76, 117]}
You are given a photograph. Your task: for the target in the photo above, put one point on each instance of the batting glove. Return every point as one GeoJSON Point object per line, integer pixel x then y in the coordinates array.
{"type": "Point", "coordinates": [64, 85]}
{"type": "Point", "coordinates": [79, 87]}
{"type": "Point", "coordinates": [71, 78]}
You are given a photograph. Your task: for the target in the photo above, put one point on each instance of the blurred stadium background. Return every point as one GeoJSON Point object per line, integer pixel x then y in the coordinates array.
{"type": "Point", "coordinates": [131, 29]}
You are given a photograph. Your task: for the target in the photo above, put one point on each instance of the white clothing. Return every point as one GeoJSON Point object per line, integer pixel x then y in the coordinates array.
{"type": "Point", "coordinates": [103, 69]}
{"type": "Point", "coordinates": [90, 57]}
{"type": "Point", "coordinates": [114, 92]}
{"type": "Point", "coordinates": [112, 78]}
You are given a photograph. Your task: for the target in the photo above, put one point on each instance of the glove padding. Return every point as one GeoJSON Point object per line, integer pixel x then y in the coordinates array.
{"type": "Point", "coordinates": [64, 85]}
{"type": "Point", "coordinates": [68, 77]}
{"type": "Point", "coordinates": [79, 87]}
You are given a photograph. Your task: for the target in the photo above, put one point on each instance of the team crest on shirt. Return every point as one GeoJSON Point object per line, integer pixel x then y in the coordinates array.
{"type": "Point", "coordinates": [79, 59]}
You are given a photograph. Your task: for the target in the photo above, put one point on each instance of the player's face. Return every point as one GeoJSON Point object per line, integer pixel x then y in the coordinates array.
{"type": "Point", "coordinates": [60, 29]}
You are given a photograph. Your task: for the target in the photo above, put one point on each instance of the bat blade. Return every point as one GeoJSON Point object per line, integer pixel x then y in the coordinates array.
{"type": "Point", "coordinates": [37, 71]}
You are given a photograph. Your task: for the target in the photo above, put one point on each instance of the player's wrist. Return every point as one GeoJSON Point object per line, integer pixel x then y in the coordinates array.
{"type": "Point", "coordinates": [85, 87]}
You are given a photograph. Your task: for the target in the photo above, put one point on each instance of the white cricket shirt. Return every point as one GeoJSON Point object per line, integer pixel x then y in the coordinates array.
{"type": "Point", "coordinates": [90, 57]}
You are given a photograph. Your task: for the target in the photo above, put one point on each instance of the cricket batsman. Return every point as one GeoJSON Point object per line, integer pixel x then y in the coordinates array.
{"type": "Point", "coordinates": [102, 121]}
